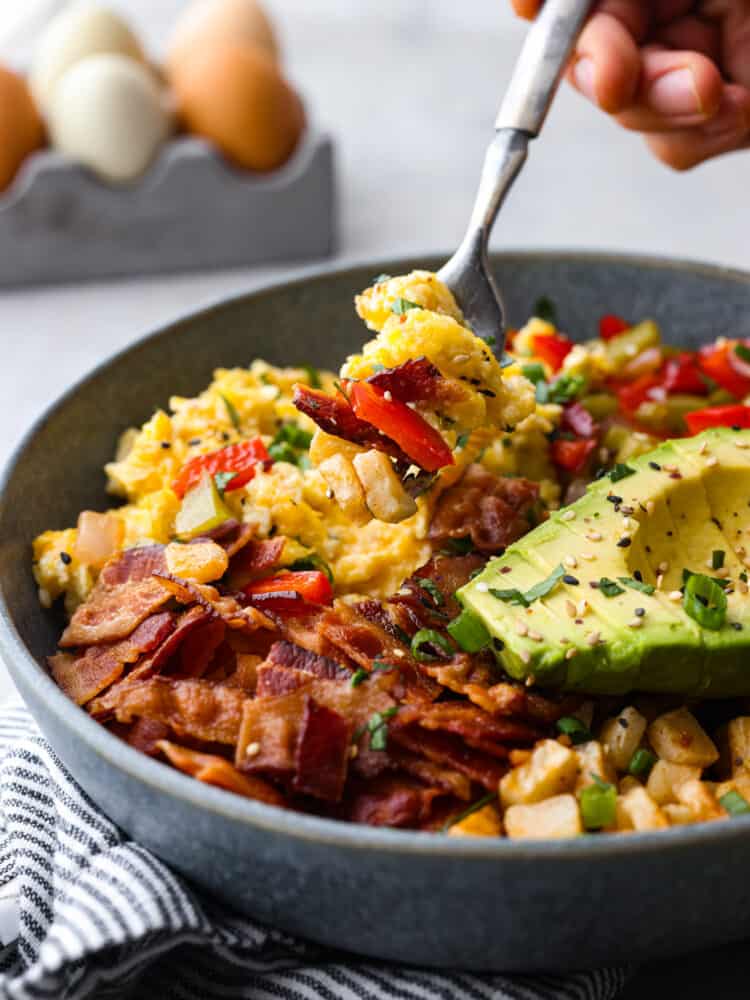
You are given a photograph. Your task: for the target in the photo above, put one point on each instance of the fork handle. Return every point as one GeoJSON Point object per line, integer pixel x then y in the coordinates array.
{"type": "Point", "coordinates": [545, 53]}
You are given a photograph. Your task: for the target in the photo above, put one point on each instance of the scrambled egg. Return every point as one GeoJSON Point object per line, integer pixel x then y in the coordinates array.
{"type": "Point", "coordinates": [508, 436]}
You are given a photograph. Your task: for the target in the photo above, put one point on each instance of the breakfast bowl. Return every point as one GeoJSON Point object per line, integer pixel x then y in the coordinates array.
{"type": "Point", "coordinates": [419, 898]}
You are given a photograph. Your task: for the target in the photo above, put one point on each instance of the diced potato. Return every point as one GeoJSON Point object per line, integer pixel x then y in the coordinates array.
{"type": "Point", "coordinates": [593, 759]}
{"type": "Point", "coordinates": [677, 814]}
{"type": "Point", "coordinates": [700, 799]}
{"type": "Point", "coordinates": [628, 783]}
{"type": "Point", "coordinates": [623, 822]}
{"type": "Point", "coordinates": [339, 474]}
{"type": "Point", "coordinates": [641, 810]}
{"type": "Point", "coordinates": [484, 822]}
{"type": "Point", "coordinates": [551, 770]}
{"type": "Point", "coordinates": [385, 497]}
{"type": "Point", "coordinates": [200, 561]}
{"type": "Point", "coordinates": [738, 738]}
{"type": "Point", "coordinates": [554, 818]}
{"type": "Point", "coordinates": [622, 736]}
{"type": "Point", "coordinates": [666, 778]}
{"type": "Point", "coordinates": [679, 737]}
{"type": "Point", "coordinates": [325, 446]}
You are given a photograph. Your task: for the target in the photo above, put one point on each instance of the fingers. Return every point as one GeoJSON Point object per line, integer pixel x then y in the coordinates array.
{"type": "Point", "coordinates": [727, 131]}
{"type": "Point", "coordinates": [692, 33]}
{"type": "Point", "coordinates": [527, 8]}
{"type": "Point", "coordinates": [607, 63]}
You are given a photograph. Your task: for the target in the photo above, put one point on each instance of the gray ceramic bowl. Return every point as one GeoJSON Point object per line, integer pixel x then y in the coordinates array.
{"type": "Point", "coordinates": [419, 898]}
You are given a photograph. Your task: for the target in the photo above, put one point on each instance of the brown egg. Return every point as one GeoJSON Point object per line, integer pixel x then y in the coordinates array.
{"type": "Point", "coordinates": [235, 96]}
{"type": "Point", "coordinates": [21, 128]}
{"type": "Point", "coordinates": [206, 23]}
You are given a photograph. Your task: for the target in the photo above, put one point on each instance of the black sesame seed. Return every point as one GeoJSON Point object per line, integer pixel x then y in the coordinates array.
{"type": "Point", "coordinates": [505, 569]}
{"type": "Point", "coordinates": [624, 543]}
{"type": "Point", "coordinates": [640, 612]}
{"type": "Point", "coordinates": [736, 427]}
{"type": "Point", "coordinates": [166, 444]}
{"type": "Point", "coordinates": [669, 534]}
{"type": "Point", "coordinates": [637, 575]}
{"type": "Point", "coordinates": [498, 644]}
{"type": "Point", "coordinates": [65, 558]}
{"type": "Point", "coordinates": [194, 441]}
{"type": "Point", "coordinates": [614, 499]}
{"type": "Point", "coordinates": [737, 626]}
{"type": "Point", "coordinates": [655, 465]}
{"type": "Point", "coordinates": [594, 584]}
{"type": "Point", "coordinates": [572, 580]}
{"type": "Point", "coordinates": [623, 722]}
{"type": "Point", "coordinates": [224, 436]}
{"type": "Point", "coordinates": [675, 475]}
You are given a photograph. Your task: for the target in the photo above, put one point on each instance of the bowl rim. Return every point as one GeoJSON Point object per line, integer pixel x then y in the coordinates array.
{"type": "Point", "coordinates": [302, 826]}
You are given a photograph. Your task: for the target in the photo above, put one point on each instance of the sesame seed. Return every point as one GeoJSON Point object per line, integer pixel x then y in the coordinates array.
{"type": "Point", "coordinates": [640, 612]}
{"type": "Point", "coordinates": [252, 750]}
{"type": "Point", "coordinates": [675, 475]}
{"type": "Point", "coordinates": [587, 556]}
{"type": "Point", "coordinates": [635, 623]}
{"type": "Point", "coordinates": [737, 626]}
{"type": "Point", "coordinates": [659, 581]}
{"type": "Point", "coordinates": [570, 654]}
{"type": "Point", "coordinates": [530, 681]}
{"type": "Point", "coordinates": [525, 656]}
{"type": "Point", "coordinates": [594, 639]}
{"type": "Point", "coordinates": [742, 587]}
{"type": "Point", "coordinates": [582, 608]}
{"type": "Point", "coordinates": [655, 465]}
{"type": "Point", "coordinates": [505, 569]}
{"type": "Point", "coordinates": [66, 558]}
{"type": "Point", "coordinates": [713, 460]}
{"type": "Point", "coordinates": [568, 515]}
{"type": "Point", "coordinates": [329, 494]}
{"type": "Point", "coordinates": [482, 587]}
{"type": "Point", "coordinates": [702, 449]}
{"type": "Point", "coordinates": [570, 608]}
{"type": "Point", "coordinates": [670, 468]}
{"type": "Point", "coordinates": [675, 595]}
{"type": "Point", "coordinates": [522, 628]}
{"type": "Point", "coordinates": [579, 621]}
{"type": "Point", "coordinates": [388, 396]}
{"type": "Point", "coordinates": [741, 444]}
{"type": "Point", "coordinates": [570, 561]}
{"type": "Point", "coordinates": [572, 581]}
{"type": "Point", "coordinates": [611, 498]}
{"type": "Point", "coordinates": [399, 652]}
{"type": "Point", "coordinates": [650, 505]}
{"type": "Point", "coordinates": [595, 536]}
{"type": "Point", "coordinates": [534, 636]}
{"type": "Point", "coordinates": [624, 542]}
{"type": "Point", "coordinates": [460, 358]}
{"type": "Point", "coordinates": [626, 510]}
{"type": "Point", "coordinates": [663, 567]}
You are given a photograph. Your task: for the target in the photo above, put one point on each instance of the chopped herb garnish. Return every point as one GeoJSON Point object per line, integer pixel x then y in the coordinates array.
{"type": "Point", "coordinates": [545, 309]}
{"type": "Point", "coordinates": [313, 377]}
{"type": "Point", "coordinates": [462, 440]}
{"type": "Point", "coordinates": [598, 804]}
{"type": "Point", "coordinates": [565, 388]}
{"type": "Point", "coordinates": [432, 589]}
{"type": "Point", "coordinates": [575, 729]}
{"type": "Point", "coordinates": [609, 588]}
{"type": "Point", "coordinates": [506, 361]}
{"type": "Point", "coordinates": [620, 471]}
{"type": "Point", "coordinates": [490, 341]}
{"type": "Point", "coordinates": [742, 352]}
{"type": "Point", "coordinates": [534, 372]}
{"type": "Point", "coordinates": [294, 435]}
{"type": "Point", "coordinates": [312, 562]}
{"type": "Point", "coordinates": [232, 411]}
{"type": "Point", "coordinates": [717, 559]}
{"type": "Point", "coordinates": [743, 576]}
{"type": "Point", "coordinates": [635, 584]}
{"type": "Point", "coordinates": [377, 727]}
{"type": "Point", "coordinates": [281, 451]}
{"type": "Point", "coordinates": [381, 278]}
{"type": "Point", "coordinates": [339, 388]}
{"type": "Point", "coordinates": [429, 637]}
{"type": "Point", "coordinates": [704, 601]}
{"type": "Point", "coordinates": [545, 586]}
{"type": "Point", "coordinates": [511, 596]}
{"type": "Point", "coordinates": [358, 676]}
{"type": "Point", "coordinates": [735, 804]}
{"type": "Point", "coordinates": [222, 480]}
{"type": "Point", "coordinates": [474, 807]}
{"type": "Point", "coordinates": [468, 632]}
{"type": "Point", "coordinates": [641, 763]}
{"type": "Point", "coordinates": [402, 306]}
{"type": "Point", "coordinates": [458, 547]}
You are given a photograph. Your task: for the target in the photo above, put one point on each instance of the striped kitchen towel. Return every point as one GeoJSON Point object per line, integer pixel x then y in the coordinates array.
{"type": "Point", "coordinates": [99, 916]}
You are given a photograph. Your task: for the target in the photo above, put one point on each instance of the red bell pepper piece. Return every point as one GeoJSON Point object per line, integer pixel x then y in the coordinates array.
{"type": "Point", "coordinates": [552, 348]}
{"type": "Point", "coordinates": [241, 458]}
{"type": "Point", "coordinates": [290, 591]}
{"type": "Point", "coordinates": [632, 394]}
{"type": "Point", "coordinates": [716, 362]}
{"type": "Point", "coordinates": [718, 416]}
{"type": "Point", "coordinates": [571, 455]}
{"type": "Point", "coordinates": [682, 374]}
{"type": "Point", "coordinates": [611, 326]}
{"type": "Point", "coordinates": [421, 442]}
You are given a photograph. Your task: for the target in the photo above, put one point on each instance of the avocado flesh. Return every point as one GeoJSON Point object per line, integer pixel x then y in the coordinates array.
{"type": "Point", "coordinates": [669, 652]}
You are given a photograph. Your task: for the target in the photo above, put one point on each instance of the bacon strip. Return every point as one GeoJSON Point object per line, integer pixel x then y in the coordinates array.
{"type": "Point", "coordinates": [391, 801]}
{"type": "Point", "coordinates": [256, 559]}
{"type": "Point", "coordinates": [214, 770]}
{"type": "Point", "coordinates": [113, 612]}
{"type": "Point", "coordinates": [335, 416]}
{"type": "Point", "coordinates": [474, 726]}
{"type": "Point", "coordinates": [448, 750]}
{"type": "Point", "coordinates": [322, 753]}
{"type": "Point", "coordinates": [419, 381]}
{"type": "Point", "coordinates": [133, 565]}
{"type": "Point", "coordinates": [83, 677]}
{"type": "Point", "coordinates": [289, 654]}
{"type": "Point", "coordinates": [196, 708]}
{"type": "Point", "coordinates": [208, 597]}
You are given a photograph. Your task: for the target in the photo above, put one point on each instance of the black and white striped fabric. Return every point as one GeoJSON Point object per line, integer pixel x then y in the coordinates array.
{"type": "Point", "coordinates": [99, 916]}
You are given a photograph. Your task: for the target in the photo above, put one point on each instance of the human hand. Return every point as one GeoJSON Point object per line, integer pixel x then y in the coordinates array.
{"type": "Point", "coordinates": [675, 70]}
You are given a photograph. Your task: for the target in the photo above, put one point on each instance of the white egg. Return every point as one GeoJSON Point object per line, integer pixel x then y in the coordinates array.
{"type": "Point", "coordinates": [108, 113]}
{"type": "Point", "coordinates": [80, 30]}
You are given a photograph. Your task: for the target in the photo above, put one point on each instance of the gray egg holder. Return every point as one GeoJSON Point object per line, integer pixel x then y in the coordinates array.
{"type": "Point", "coordinates": [191, 210]}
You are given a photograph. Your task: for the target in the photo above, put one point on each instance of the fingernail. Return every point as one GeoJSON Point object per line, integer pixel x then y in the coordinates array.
{"type": "Point", "coordinates": [583, 73]}
{"type": "Point", "coordinates": [675, 93]}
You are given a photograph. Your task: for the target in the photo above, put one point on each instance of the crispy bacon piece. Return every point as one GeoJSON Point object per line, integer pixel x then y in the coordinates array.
{"type": "Point", "coordinates": [199, 646]}
{"type": "Point", "coordinates": [492, 511]}
{"type": "Point", "coordinates": [113, 612]}
{"type": "Point", "coordinates": [335, 416]}
{"type": "Point", "coordinates": [474, 726]}
{"type": "Point", "coordinates": [417, 606]}
{"type": "Point", "coordinates": [429, 773]}
{"type": "Point", "coordinates": [322, 753]}
{"type": "Point", "coordinates": [144, 735]}
{"type": "Point", "coordinates": [83, 677]}
{"type": "Point", "coordinates": [391, 801]}
{"type": "Point", "coordinates": [288, 654]}
{"type": "Point", "coordinates": [196, 708]}
{"type": "Point", "coordinates": [449, 750]}
{"type": "Point", "coordinates": [272, 679]}
{"type": "Point", "coordinates": [231, 535]}
{"type": "Point", "coordinates": [213, 770]}
{"type": "Point", "coordinates": [419, 381]}
{"type": "Point", "coordinates": [255, 561]}
{"type": "Point", "coordinates": [227, 608]}
{"type": "Point", "coordinates": [133, 565]}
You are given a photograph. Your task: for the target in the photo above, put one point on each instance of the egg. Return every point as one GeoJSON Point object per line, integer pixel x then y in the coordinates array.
{"type": "Point", "coordinates": [209, 22]}
{"type": "Point", "coordinates": [80, 30]}
{"type": "Point", "coordinates": [235, 96]}
{"type": "Point", "coordinates": [107, 112]}
{"type": "Point", "coordinates": [21, 128]}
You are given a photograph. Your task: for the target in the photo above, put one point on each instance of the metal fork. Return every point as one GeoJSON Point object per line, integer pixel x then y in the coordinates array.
{"type": "Point", "coordinates": [536, 76]}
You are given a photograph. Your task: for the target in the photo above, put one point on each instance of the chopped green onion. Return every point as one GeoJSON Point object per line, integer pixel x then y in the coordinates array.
{"type": "Point", "coordinates": [232, 411]}
{"type": "Point", "coordinates": [609, 588]}
{"type": "Point", "coordinates": [462, 440]}
{"type": "Point", "coordinates": [742, 352]}
{"type": "Point", "coordinates": [401, 306]}
{"type": "Point", "coordinates": [281, 451]}
{"type": "Point", "coordinates": [313, 377]}
{"type": "Point", "coordinates": [377, 727]}
{"type": "Point", "coordinates": [490, 341]}
{"type": "Point", "coordinates": [641, 763]}
{"type": "Point", "coordinates": [545, 309]}
{"type": "Point", "coordinates": [717, 559]}
{"type": "Point", "coordinates": [598, 804]}
{"type": "Point", "coordinates": [474, 807]}
{"type": "Point", "coordinates": [743, 576]}
{"type": "Point", "coordinates": [294, 435]}
{"type": "Point", "coordinates": [468, 632]}
{"type": "Point", "coordinates": [705, 601]}
{"type": "Point", "coordinates": [735, 804]}
{"type": "Point", "coordinates": [629, 581]}
{"type": "Point", "coordinates": [565, 388]}
{"type": "Point", "coordinates": [620, 471]}
{"type": "Point", "coordinates": [723, 581]}
{"type": "Point", "coordinates": [534, 372]}
{"type": "Point", "coordinates": [428, 636]}
{"type": "Point", "coordinates": [432, 589]}
{"type": "Point", "coordinates": [222, 480]}
{"type": "Point", "coordinates": [511, 596]}
{"type": "Point", "coordinates": [575, 729]}
{"type": "Point", "coordinates": [314, 562]}
{"type": "Point", "coordinates": [358, 676]}
{"type": "Point", "coordinates": [458, 547]}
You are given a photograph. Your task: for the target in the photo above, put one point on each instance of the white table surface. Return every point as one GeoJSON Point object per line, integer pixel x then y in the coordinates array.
{"type": "Point", "coordinates": [410, 89]}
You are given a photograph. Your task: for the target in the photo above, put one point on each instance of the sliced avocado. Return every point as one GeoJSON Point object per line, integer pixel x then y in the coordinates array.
{"type": "Point", "coordinates": [668, 512]}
